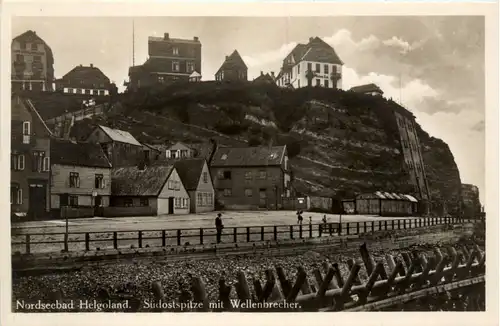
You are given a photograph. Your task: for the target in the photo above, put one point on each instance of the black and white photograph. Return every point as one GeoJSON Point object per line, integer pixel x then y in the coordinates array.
{"type": "Point", "coordinates": [249, 164]}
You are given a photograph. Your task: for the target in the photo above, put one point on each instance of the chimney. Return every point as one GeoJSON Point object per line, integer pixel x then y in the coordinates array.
{"type": "Point", "coordinates": [81, 65]}
{"type": "Point", "coordinates": [261, 73]}
{"type": "Point", "coordinates": [166, 36]}
{"type": "Point", "coordinates": [310, 39]}
{"type": "Point", "coordinates": [272, 74]}
{"type": "Point", "coordinates": [196, 39]}
{"type": "Point", "coordinates": [91, 65]}
{"type": "Point", "coordinates": [227, 57]}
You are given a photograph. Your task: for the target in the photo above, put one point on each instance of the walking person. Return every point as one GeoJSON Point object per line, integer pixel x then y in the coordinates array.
{"type": "Point", "coordinates": [219, 226]}
{"type": "Point", "coordinates": [299, 217]}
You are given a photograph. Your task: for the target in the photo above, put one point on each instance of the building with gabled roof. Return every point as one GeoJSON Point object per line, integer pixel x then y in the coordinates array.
{"type": "Point", "coordinates": [369, 89]}
{"type": "Point", "coordinates": [251, 177]}
{"type": "Point", "coordinates": [195, 175]}
{"type": "Point", "coordinates": [32, 63]}
{"type": "Point", "coordinates": [268, 78]}
{"type": "Point", "coordinates": [86, 80]}
{"type": "Point", "coordinates": [121, 148]}
{"type": "Point", "coordinates": [313, 64]}
{"type": "Point", "coordinates": [385, 203]}
{"type": "Point", "coordinates": [80, 178]}
{"type": "Point", "coordinates": [158, 187]}
{"type": "Point", "coordinates": [232, 69]}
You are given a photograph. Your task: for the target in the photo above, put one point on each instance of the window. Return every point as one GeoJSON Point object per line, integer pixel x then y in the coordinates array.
{"type": "Point", "coordinates": [262, 174]}
{"type": "Point", "coordinates": [46, 164]}
{"type": "Point", "coordinates": [205, 177]}
{"type": "Point", "coordinates": [34, 47]}
{"type": "Point", "coordinates": [71, 90]}
{"type": "Point", "coordinates": [248, 175]}
{"type": "Point", "coordinates": [177, 185]}
{"type": "Point", "coordinates": [99, 181]}
{"type": "Point", "coordinates": [161, 79]}
{"type": "Point", "coordinates": [309, 66]}
{"type": "Point", "coordinates": [78, 91]}
{"type": "Point", "coordinates": [227, 175]}
{"type": "Point", "coordinates": [210, 199]}
{"type": "Point", "coordinates": [19, 58]}
{"type": "Point", "coordinates": [170, 184]}
{"type": "Point", "coordinates": [102, 93]}
{"type": "Point", "coordinates": [199, 199]}
{"type": "Point", "coordinates": [327, 84]}
{"type": "Point", "coordinates": [318, 67]}
{"type": "Point", "coordinates": [298, 69]}
{"type": "Point", "coordinates": [184, 153]}
{"type": "Point", "coordinates": [95, 92]}
{"type": "Point", "coordinates": [175, 51]}
{"type": "Point", "coordinates": [128, 202]}
{"type": "Point", "coordinates": [173, 154]}
{"type": "Point", "coordinates": [16, 194]}
{"type": "Point", "coordinates": [189, 66]}
{"type": "Point", "coordinates": [175, 66]}
{"type": "Point", "coordinates": [334, 69]}
{"type": "Point", "coordinates": [144, 202]}
{"type": "Point", "coordinates": [177, 203]}
{"type": "Point", "coordinates": [248, 192]}
{"type": "Point", "coordinates": [228, 192]}
{"type": "Point", "coordinates": [17, 162]}
{"type": "Point", "coordinates": [38, 159]}
{"type": "Point", "coordinates": [73, 201]}
{"type": "Point", "coordinates": [37, 58]}
{"type": "Point", "coordinates": [26, 128]}
{"type": "Point", "coordinates": [87, 91]}
{"type": "Point", "coordinates": [262, 193]}
{"type": "Point", "coordinates": [22, 45]}
{"type": "Point", "coordinates": [74, 180]}
{"type": "Point", "coordinates": [327, 69]}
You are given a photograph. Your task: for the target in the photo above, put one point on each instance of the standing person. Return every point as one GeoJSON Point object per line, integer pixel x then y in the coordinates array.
{"type": "Point", "coordinates": [299, 217]}
{"type": "Point", "coordinates": [219, 226]}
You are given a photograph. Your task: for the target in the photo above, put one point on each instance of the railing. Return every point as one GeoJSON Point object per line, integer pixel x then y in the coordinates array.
{"type": "Point", "coordinates": [77, 241]}
{"type": "Point", "coordinates": [80, 114]}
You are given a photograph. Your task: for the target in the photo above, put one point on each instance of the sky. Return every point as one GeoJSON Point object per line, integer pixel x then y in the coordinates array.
{"type": "Point", "coordinates": [433, 65]}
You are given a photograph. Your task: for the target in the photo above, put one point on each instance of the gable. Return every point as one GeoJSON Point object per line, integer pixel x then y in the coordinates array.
{"type": "Point", "coordinates": [98, 135]}
{"type": "Point", "coordinates": [165, 192]}
{"type": "Point", "coordinates": [202, 186]}
{"type": "Point", "coordinates": [179, 146]}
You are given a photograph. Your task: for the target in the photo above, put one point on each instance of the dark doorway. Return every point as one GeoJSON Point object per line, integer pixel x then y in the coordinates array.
{"type": "Point", "coordinates": [262, 198]}
{"type": "Point", "coordinates": [97, 205]}
{"type": "Point", "coordinates": [171, 205]}
{"type": "Point", "coordinates": [37, 199]}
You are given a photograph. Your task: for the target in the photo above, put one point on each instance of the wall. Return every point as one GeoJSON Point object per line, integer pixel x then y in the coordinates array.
{"type": "Point", "coordinates": [203, 187]}
{"type": "Point", "coordinates": [187, 52]}
{"type": "Point", "coordinates": [298, 75]}
{"type": "Point", "coordinates": [238, 184]}
{"type": "Point", "coordinates": [72, 212]}
{"type": "Point", "coordinates": [128, 211]}
{"type": "Point", "coordinates": [46, 69]}
{"type": "Point", "coordinates": [60, 184]}
{"type": "Point", "coordinates": [167, 193]}
{"type": "Point", "coordinates": [119, 202]}
{"type": "Point", "coordinates": [321, 204]}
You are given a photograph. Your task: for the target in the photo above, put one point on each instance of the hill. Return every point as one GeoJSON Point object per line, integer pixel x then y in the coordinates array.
{"type": "Point", "coordinates": [340, 143]}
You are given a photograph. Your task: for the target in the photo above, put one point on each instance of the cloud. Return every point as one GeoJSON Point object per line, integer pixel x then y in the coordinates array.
{"type": "Point", "coordinates": [273, 56]}
{"type": "Point", "coordinates": [403, 45]}
{"type": "Point", "coordinates": [479, 126]}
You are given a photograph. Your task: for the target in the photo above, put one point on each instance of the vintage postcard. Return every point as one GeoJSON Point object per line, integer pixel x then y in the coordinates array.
{"type": "Point", "coordinates": [173, 161]}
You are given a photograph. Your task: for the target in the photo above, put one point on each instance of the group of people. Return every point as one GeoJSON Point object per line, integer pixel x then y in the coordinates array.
{"type": "Point", "coordinates": [300, 218]}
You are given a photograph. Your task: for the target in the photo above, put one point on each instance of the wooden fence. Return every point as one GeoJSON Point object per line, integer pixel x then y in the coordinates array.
{"type": "Point", "coordinates": [388, 283]}
{"type": "Point", "coordinates": [76, 241]}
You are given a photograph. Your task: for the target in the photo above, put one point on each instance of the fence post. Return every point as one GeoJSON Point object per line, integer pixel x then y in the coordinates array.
{"type": "Point", "coordinates": [300, 231]}
{"type": "Point", "coordinates": [248, 234]}
{"type": "Point", "coordinates": [399, 224]}
{"type": "Point", "coordinates": [419, 222]}
{"type": "Point", "coordinates": [320, 229]}
{"type": "Point", "coordinates": [28, 248]}
{"type": "Point", "coordinates": [291, 232]}
{"type": "Point", "coordinates": [235, 235]}
{"type": "Point", "coordinates": [275, 233]}
{"type": "Point", "coordinates": [404, 224]}
{"type": "Point", "coordinates": [392, 224]}
{"type": "Point", "coordinates": [357, 227]}
{"type": "Point", "coordinates": [373, 226]}
{"type": "Point", "coordinates": [201, 236]}
{"type": "Point", "coordinates": [364, 227]}
{"type": "Point", "coordinates": [385, 225]}
{"type": "Point", "coordinates": [380, 225]}
{"type": "Point", "coordinates": [261, 233]}
{"type": "Point", "coordinates": [66, 236]}
{"type": "Point", "coordinates": [140, 239]}
{"type": "Point", "coordinates": [87, 242]}
{"type": "Point", "coordinates": [163, 238]}
{"type": "Point", "coordinates": [115, 240]}
{"type": "Point", "coordinates": [310, 230]}
{"type": "Point", "coordinates": [179, 237]}
{"type": "Point", "coordinates": [348, 231]}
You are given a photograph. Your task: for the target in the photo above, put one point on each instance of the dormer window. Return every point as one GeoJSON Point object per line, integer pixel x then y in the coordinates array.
{"type": "Point", "coordinates": [175, 51]}
{"type": "Point", "coordinates": [26, 132]}
{"type": "Point", "coordinates": [224, 157]}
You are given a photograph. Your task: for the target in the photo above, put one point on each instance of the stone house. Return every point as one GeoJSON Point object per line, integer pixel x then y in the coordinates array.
{"type": "Point", "coordinates": [157, 188]}
{"type": "Point", "coordinates": [251, 177]}
{"type": "Point", "coordinates": [195, 175]}
{"type": "Point", "coordinates": [80, 178]}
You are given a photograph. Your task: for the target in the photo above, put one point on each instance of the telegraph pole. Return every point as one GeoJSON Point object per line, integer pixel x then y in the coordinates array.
{"type": "Point", "coordinates": [133, 43]}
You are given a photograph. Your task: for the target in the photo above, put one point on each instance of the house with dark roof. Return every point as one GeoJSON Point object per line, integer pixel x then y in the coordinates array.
{"type": "Point", "coordinates": [121, 148]}
{"type": "Point", "coordinates": [266, 78]}
{"type": "Point", "coordinates": [384, 203]}
{"type": "Point", "coordinates": [87, 80]}
{"type": "Point", "coordinates": [195, 175]}
{"type": "Point", "coordinates": [80, 178]}
{"type": "Point", "coordinates": [170, 60]}
{"type": "Point", "coordinates": [313, 64]}
{"type": "Point", "coordinates": [251, 177]}
{"type": "Point", "coordinates": [30, 161]}
{"type": "Point", "coordinates": [232, 69]}
{"type": "Point", "coordinates": [369, 89]}
{"type": "Point", "coordinates": [157, 189]}
{"type": "Point", "coordinates": [32, 63]}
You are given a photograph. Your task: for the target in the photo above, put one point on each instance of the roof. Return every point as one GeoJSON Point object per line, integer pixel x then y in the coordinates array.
{"type": "Point", "coordinates": [195, 74]}
{"type": "Point", "coordinates": [387, 195]}
{"type": "Point", "coordinates": [316, 50]}
{"type": "Point", "coordinates": [28, 104]}
{"type": "Point", "coordinates": [66, 152]}
{"type": "Point", "coordinates": [189, 171]}
{"type": "Point", "coordinates": [264, 78]}
{"type": "Point", "coordinates": [368, 88]}
{"type": "Point", "coordinates": [172, 40]}
{"type": "Point", "coordinates": [234, 61]}
{"type": "Point", "coordinates": [30, 36]}
{"type": "Point", "coordinates": [120, 136]}
{"type": "Point", "coordinates": [248, 156]}
{"type": "Point", "coordinates": [130, 181]}
{"type": "Point", "coordinates": [88, 74]}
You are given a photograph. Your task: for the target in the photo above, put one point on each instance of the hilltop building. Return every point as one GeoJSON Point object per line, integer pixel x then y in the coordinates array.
{"type": "Point", "coordinates": [369, 89]}
{"type": "Point", "coordinates": [268, 78]}
{"type": "Point", "coordinates": [88, 80]}
{"type": "Point", "coordinates": [32, 63]}
{"type": "Point", "coordinates": [313, 64]}
{"type": "Point", "coordinates": [233, 69]}
{"type": "Point", "coordinates": [170, 60]}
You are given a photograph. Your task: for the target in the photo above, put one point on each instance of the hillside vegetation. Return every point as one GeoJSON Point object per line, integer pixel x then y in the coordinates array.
{"type": "Point", "coordinates": [340, 143]}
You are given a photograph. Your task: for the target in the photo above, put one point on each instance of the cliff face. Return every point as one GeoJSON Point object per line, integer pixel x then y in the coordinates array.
{"type": "Point", "coordinates": [340, 143]}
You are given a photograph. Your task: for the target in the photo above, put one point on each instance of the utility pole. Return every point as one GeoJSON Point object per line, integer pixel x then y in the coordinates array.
{"type": "Point", "coordinates": [133, 43]}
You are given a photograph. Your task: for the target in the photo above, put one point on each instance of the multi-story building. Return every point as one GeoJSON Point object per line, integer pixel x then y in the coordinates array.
{"type": "Point", "coordinates": [232, 69]}
{"type": "Point", "coordinates": [195, 176]}
{"type": "Point", "coordinates": [121, 148]}
{"type": "Point", "coordinates": [170, 59]}
{"type": "Point", "coordinates": [30, 161]}
{"type": "Point", "coordinates": [251, 177]}
{"type": "Point", "coordinates": [80, 177]}
{"type": "Point", "coordinates": [471, 205]}
{"type": "Point", "coordinates": [32, 63]}
{"type": "Point", "coordinates": [313, 64]}
{"type": "Point", "coordinates": [85, 80]}
{"type": "Point", "coordinates": [368, 89]}
{"type": "Point", "coordinates": [412, 153]}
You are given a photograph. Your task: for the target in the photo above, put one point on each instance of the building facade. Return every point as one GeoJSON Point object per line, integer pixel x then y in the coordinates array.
{"type": "Point", "coordinates": [412, 154]}
{"type": "Point", "coordinates": [80, 178]}
{"type": "Point", "coordinates": [232, 69]}
{"type": "Point", "coordinates": [368, 89]}
{"type": "Point", "coordinates": [471, 205]}
{"type": "Point", "coordinates": [120, 147]}
{"type": "Point", "coordinates": [313, 64]}
{"type": "Point", "coordinates": [251, 177]}
{"type": "Point", "coordinates": [196, 178]}
{"type": "Point", "coordinates": [88, 80]}
{"type": "Point", "coordinates": [386, 204]}
{"type": "Point", "coordinates": [170, 60]}
{"type": "Point", "coordinates": [30, 162]}
{"type": "Point", "coordinates": [32, 63]}
{"type": "Point", "coordinates": [158, 187]}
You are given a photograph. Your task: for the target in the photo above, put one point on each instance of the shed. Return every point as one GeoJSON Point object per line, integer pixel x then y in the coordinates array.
{"type": "Point", "coordinates": [386, 204]}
